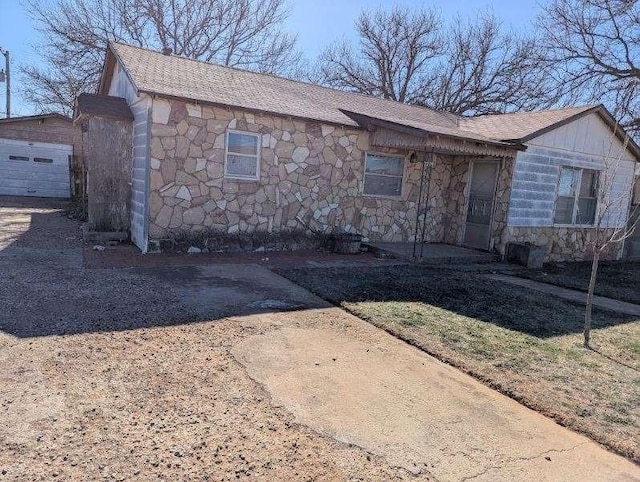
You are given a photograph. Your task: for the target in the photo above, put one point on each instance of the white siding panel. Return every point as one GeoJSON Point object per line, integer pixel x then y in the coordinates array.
{"type": "Point", "coordinates": [620, 178]}
{"type": "Point", "coordinates": [586, 143]}
{"type": "Point", "coordinates": [140, 174]}
{"type": "Point", "coordinates": [587, 135]}
{"type": "Point", "coordinates": [140, 106]}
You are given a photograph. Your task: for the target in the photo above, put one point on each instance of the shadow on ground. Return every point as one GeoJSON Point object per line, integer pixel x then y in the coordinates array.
{"type": "Point", "coordinates": [466, 294]}
{"type": "Point", "coordinates": [45, 290]}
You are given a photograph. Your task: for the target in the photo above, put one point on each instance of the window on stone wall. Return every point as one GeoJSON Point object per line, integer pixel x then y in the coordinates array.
{"type": "Point", "coordinates": [383, 175]}
{"type": "Point", "coordinates": [577, 196]}
{"type": "Point", "coordinates": [242, 155]}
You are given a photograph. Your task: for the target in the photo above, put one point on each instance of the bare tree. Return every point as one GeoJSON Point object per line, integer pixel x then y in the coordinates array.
{"type": "Point", "coordinates": [613, 220]}
{"type": "Point", "coordinates": [395, 50]}
{"type": "Point", "coordinates": [409, 56]}
{"type": "Point", "coordinates": [593, 50]}
{"type": "Point", "coordinates": [484, 70]}
{"type": "Point", "coordinates": [240, 33]}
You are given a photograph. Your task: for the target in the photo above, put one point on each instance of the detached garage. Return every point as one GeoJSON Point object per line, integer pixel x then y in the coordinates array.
{"type": "Point", "coordinates": [35, 169]}
{"type": "Point", "coordinates": [37, 156]}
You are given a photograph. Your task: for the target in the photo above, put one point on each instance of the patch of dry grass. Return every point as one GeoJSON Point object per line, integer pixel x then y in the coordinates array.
{"type": "Point", "coordinates": [526, 345]}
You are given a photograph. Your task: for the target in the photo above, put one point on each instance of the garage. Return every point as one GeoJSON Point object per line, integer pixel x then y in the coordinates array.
{"type": "Point", "coordinates": [34, 168]}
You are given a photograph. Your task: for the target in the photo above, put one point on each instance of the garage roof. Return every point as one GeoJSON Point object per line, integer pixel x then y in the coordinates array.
{"type": "Point", "coordinates": [51, 115]}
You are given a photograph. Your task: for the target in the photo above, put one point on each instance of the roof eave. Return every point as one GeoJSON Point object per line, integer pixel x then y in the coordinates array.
{"type": "Point", "coordinates": [152, 93]}
{"type": "Point", "coordinates": [35, 117]}
{"type": "Point", "coordinates": [367, 122]}
{"type": "Point", "coordinates": [555, 125]}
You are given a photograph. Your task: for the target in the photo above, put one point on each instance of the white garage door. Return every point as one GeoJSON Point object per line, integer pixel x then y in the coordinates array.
{"type": "Point", "coordinates": [34, 169]}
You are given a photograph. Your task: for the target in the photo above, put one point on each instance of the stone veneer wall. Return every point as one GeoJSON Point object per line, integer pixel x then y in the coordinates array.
{"type": "Point", "coordinates": [311, 176]}
{"type": "Point", "coordinates": [500, 235]}
{"type": "Point", "coordinates": [562, 243]}
{"type": "Point", "coordinates": [447, 200]}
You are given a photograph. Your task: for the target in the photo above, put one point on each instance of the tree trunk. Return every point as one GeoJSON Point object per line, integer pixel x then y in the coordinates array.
{"type": "Point", "coordinates": [592, 286]}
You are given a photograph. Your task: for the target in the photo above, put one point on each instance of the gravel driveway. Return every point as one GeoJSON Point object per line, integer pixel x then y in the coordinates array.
{"type": "Point", "coordinates": [127, 373]}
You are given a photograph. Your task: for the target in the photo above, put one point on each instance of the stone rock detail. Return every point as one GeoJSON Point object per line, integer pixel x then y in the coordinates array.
{"type": "Point", "coordinates": [562, 243]}
{"type": "Point", "coordinates": [311, 178]}
{"type": "Point", "coordinates": [499, 236]}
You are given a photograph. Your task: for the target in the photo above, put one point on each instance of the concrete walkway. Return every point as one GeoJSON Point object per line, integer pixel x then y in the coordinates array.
{"type": "Point", "coordinates": [569, 294]}
{"type": "Point", "coordinates": [355, 383]}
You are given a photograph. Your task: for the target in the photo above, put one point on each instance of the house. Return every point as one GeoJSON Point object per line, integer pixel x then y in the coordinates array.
{"type": "Point", "coordinates": [571, 153]}
{"type": "Point", "coordinates": [37, 156]}
{"type": "Point", "coordinates": [240, 152]}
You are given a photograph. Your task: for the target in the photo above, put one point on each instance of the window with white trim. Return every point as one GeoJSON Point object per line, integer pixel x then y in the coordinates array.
{"type": "Point", "coordinates": [383, 175]}
{"type": "Point", "coordinates": [577, 199]}
{"type": "Point", "coordinates": [242, 156]}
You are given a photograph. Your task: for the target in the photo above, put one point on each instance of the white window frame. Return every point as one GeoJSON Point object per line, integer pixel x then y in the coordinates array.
{"type": "Point", "coordinates": [576, 197]}
{"type": "Point", "coordinates": [257, 155]}
{"type": "Point", "coordinates": [402, 177]}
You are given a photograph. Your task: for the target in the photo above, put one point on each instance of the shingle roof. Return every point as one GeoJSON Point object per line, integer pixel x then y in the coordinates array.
{"type": "Point", "coordinates": [170, 75]}
{"type": "Point", "coordinates": [103, 106]}
{"type": "Point", "coordinates": [173, 76]}
{"type": "Point", "coordinates": [520, 125]}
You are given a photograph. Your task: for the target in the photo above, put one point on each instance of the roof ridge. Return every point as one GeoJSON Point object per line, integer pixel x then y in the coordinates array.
{"type": "Point", "coordinates": [540, 111]}
{"type": "Point", "coordinates": [455, 118]}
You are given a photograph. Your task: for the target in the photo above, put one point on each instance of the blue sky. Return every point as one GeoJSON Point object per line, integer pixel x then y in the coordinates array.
{"type": "Point", "coordinates": [317, 23]}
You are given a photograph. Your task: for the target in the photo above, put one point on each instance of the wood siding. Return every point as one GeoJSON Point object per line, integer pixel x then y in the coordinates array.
{"type": "Point", "coordinates": [107, 153]}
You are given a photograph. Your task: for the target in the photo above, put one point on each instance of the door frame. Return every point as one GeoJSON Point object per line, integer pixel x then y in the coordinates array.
{"type": "Point", "coordinates": [467, 195]}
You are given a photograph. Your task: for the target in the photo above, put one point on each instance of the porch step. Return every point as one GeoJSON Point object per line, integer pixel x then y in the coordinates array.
{"type": "Point", "coordinates": [432, 253]}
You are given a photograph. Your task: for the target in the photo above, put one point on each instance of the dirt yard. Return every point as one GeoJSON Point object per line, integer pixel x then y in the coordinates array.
{"type": "Point", "coordinates": [110, 374]}
{"type": "Point", "coordinates": [525, 345]}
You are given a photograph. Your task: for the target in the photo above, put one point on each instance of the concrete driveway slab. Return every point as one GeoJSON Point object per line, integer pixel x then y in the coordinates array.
{"type": "Point", "coordinates": [361, 386]}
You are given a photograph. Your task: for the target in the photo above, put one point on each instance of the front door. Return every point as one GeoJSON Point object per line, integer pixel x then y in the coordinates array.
{"type": "Point", "coordinates": [477, 233]}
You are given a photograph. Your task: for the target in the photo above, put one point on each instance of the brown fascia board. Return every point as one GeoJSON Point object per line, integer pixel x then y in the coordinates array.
{"type": "Point", "coordinates": [367, 122]}
{"type": "Point", "coordinates": [605, 115]}
{"type": "Point", "coordinates": [110, 60]}
{"type": "Point", "coordinates": [107, 71]}
{"type": "Point", "coordinates": [619, 131]}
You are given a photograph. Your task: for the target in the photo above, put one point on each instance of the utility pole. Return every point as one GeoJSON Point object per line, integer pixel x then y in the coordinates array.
{"type": "Point", "coordinates": [7, 79]}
